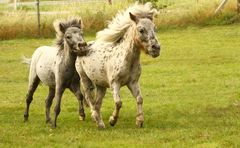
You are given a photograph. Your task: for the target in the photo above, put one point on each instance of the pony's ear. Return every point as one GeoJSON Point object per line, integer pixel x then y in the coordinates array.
{"type": "Point", "coordinates": [80, 23]}
{"type": "Point", "coordinates": [62, 27]}
{"type": "Point", "coordinates": [133, 17]}
{"type": "Point", "coordinates": [150, 16]}
{"type": "Point", "coordinates": [59, 26]}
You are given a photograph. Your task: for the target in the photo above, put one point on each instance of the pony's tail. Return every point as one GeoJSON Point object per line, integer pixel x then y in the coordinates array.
{"type": "Point", "coordinates": [26, 60]}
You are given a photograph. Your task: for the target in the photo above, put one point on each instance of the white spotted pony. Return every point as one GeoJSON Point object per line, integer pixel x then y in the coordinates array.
{"type": "Point", "coordinates": [113, 59]}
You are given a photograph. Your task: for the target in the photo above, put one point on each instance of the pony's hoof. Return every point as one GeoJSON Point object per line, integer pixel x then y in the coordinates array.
{"type": "Point", "coordinates": [112, 121]}
{"type": "Point", "coordinates": [25, 118]}
{"type": "Point", "coordinates": [101, 125]}
{"type": "Point", "coordinates": [48, 121]}
{"type": "Point", "coordinates": [81, 115]}
{"type": "Point", "coordinates": [53, 126]}
{"type": "Point", "coordinates": [81, 118]}
{"type": "Point", "coordinates": [139, 123]}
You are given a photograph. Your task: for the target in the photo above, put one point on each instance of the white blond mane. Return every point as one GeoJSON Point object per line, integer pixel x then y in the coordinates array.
{"type": "Point", "coordinates": [121, 22]}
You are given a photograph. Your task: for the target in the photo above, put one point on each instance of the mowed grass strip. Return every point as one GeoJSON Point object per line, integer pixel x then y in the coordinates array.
{"type": "Point", "coordinates": [191, 97]}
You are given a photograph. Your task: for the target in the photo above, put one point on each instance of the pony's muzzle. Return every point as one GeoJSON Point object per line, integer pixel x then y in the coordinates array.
{"type": "Point", "coordinates": [156, 47]}
{"type": "Point", "coordinates": [82, 44]}
{"type": "Point", "coordinates": [155, 50]}
{"type": "Point", "coordinates": [83, 50]}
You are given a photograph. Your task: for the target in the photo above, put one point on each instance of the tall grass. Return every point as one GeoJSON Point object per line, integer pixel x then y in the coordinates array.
{"type": "Point", "coordinates": [172, 13]}
{"type": "Point", "coordinates": [201, 12]}
{"type": "Point", "coordinates": [23, 22]}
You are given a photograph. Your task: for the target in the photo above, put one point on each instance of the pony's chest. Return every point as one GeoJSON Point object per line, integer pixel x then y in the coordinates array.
{"type": "Point", "coordinates": [65, 71]}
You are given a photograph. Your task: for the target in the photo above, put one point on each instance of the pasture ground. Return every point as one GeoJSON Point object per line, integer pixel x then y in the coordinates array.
{"type": "Point", "coordinates": [191, 97]}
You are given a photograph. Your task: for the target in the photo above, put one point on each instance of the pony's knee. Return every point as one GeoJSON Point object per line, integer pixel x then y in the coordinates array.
{"type": "Point", "coordinates": [29, 99]}
{"type": "Point", "coordinates": [81, 96]}
{"type": "Point", "coordinates": [118, 104]}
{"type": "Point", "coordinates": [57, 110]}
{"type": "Point", "coordinates": [48, 103]}
{"type": "Point", "coordinates": [139, 100]}
{"type": "Point", "coordinates": [97, 107]}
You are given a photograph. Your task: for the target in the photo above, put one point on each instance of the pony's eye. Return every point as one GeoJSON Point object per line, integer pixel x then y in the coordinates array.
{"type": "Point", "coordinates": [141, 30]}
{"type": "Point", "coordinates": [68, 37]}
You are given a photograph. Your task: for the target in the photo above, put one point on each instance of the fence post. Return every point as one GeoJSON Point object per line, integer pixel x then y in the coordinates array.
{"type": "Point", "coordinates": [38, 18]}
{"type": "Point", "coordinates": [221, 6]}
{"type": "Point", "coordinates": [15, 4]}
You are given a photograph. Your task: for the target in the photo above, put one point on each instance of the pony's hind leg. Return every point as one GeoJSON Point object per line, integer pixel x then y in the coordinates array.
{"type": "Point", "coordinates": [48, 102]}
{"type": "Point", "coordinates": [33, 84]}
{"type": "Point", "coordinates": [101, 91]}
{"type": "Point", "coordinates": [135, 90]}
{"type": "Point", "coordinates": [118, 104]}
{"type": "Point", "coordinates": [75, 89]}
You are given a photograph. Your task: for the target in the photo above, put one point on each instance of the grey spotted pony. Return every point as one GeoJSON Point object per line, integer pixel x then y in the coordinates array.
{"type": "Point", "coordinates": [113, 60]}
{"type": "Point", "coordinates": [55, 67]}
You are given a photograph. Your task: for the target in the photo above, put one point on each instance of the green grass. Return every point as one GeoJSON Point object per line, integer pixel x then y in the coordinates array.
{"type": "Point", "coordinates": [191, 97]}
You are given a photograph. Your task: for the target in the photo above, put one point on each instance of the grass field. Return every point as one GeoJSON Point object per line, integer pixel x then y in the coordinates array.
{"type": "Point", "coordinates": [191, 97]}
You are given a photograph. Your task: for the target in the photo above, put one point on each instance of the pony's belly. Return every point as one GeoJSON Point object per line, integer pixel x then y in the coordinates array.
{"type": "Point", "coordinates": [46, 78]}
{"type": "Point", "coordinates": [46, 74]}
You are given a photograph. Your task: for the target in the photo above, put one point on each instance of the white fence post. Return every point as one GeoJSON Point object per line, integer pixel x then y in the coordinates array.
{"type": "Point", "coordinates": [15, 4]}
{"type": "Point", "coordinates": [220, 7]}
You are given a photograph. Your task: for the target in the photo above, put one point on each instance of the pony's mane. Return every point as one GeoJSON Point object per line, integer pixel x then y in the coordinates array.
{"type": "Point", "coordinates": [121, 22]}
{"type": "Point", "coordinates": [61, 26]}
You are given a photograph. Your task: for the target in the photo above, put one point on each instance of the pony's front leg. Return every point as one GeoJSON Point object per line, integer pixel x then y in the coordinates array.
{"type": "Point", "coordinates": [118, 104]}
{"type": "Point", "coordinates": [59, 91]}
{"type": "Point", "coordinates": [75, 89]}
{"type": "Point", "coordinates": [135, 90]}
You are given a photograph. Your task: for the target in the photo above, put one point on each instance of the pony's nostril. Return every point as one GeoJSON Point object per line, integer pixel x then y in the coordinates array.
{"type": "Point", "coordinates": [156, 47]}
{"type": "Point", "coordinates": [82, 44]}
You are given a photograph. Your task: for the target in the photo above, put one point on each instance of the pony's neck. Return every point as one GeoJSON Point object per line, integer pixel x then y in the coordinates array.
{"type": "Point", "coordinates": [68, 56]}
{"type": "Point", "coordinates": [132, 50]}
